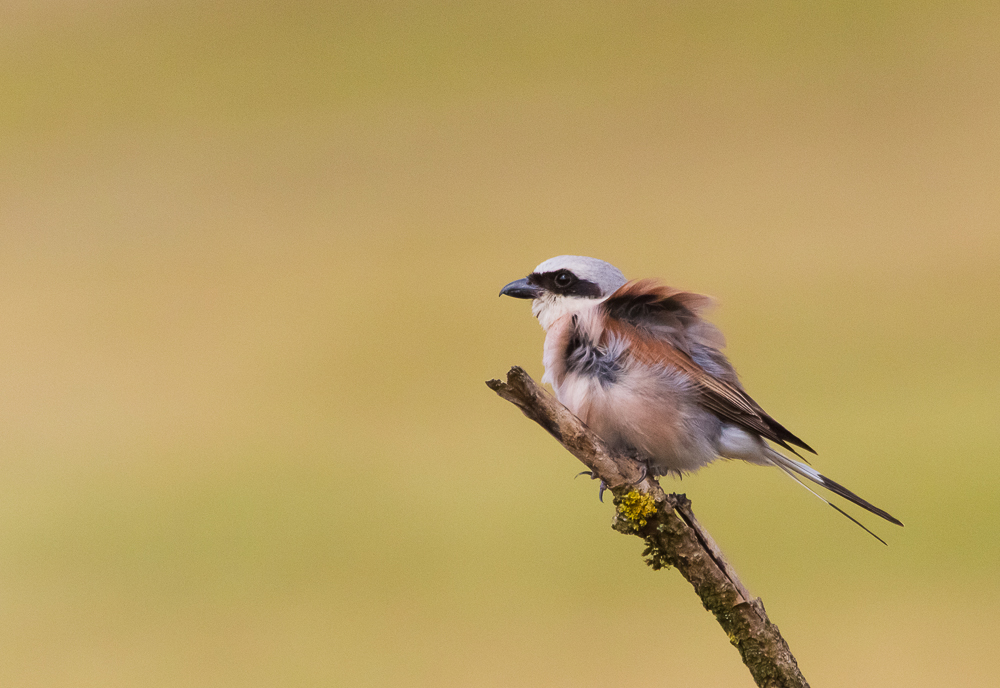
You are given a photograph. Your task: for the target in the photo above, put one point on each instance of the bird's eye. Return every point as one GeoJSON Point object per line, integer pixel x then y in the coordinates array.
{"type": "Point", "coordinates": [564, 278]}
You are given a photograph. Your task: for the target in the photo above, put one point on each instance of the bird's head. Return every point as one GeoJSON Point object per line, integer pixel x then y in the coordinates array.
{"type": "Point", "coordinates": [564, 284]}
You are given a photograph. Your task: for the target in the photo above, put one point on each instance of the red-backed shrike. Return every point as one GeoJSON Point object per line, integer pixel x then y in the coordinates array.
{"type": "Point", "coordinates": [637, 363]}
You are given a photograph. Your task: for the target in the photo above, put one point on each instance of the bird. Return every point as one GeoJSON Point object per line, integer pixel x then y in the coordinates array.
{"type": "Point", "coordinates": [640, 365]}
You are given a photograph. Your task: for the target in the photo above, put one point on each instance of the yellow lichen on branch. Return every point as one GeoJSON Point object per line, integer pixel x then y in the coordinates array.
{"type": "Point", "coordinates": [637, 507]}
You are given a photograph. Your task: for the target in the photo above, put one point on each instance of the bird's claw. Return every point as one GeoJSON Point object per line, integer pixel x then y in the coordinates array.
{"type": "Point", "coordinates": [645, 472]}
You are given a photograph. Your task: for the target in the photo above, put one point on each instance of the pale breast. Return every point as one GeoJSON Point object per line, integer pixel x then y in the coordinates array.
{"type": "Point", "coordinates": [630, 404]}
{"type": "Point", "coordinates": [654, 412]}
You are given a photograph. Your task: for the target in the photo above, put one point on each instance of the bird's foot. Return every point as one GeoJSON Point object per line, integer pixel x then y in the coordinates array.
{"type": "Point", "coordinates": [641, 459]}
{"type": "Point", "coordinates": [593, 476]}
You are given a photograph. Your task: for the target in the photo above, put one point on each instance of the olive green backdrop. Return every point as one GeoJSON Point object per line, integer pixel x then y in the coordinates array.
{"type": "Point", "coordinates": [249, 262]}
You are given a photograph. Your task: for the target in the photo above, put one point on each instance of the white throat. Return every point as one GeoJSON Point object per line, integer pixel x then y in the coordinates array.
{"type": "Point", "coordinates": [550, 308]}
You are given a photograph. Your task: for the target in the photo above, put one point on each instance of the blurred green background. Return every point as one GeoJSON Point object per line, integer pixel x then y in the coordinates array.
{"type": "Point", "coordinates": [249, 262]}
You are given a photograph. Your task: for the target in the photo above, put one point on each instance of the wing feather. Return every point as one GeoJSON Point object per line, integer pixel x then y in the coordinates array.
{"type": "Point", "coordinates": [665, 328]}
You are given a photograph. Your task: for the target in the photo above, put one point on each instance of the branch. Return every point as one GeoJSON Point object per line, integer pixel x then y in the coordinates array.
{"type": "Point", "coordinates": [672, 534]}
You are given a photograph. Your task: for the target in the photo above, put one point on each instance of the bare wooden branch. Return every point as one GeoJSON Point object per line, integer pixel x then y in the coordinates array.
{"type": "Point", "coordinates": [670, 530]}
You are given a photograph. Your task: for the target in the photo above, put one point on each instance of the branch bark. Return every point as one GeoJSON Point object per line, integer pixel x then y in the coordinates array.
{"type": "Point", "coordinates": [672, 534]}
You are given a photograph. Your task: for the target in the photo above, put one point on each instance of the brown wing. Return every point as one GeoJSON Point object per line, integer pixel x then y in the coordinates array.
{"type": "Point", "coordinates": [664, 328]}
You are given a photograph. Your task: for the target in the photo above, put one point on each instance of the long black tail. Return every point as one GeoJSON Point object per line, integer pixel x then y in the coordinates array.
{"type": "Point", "coordinates": [795, 469]}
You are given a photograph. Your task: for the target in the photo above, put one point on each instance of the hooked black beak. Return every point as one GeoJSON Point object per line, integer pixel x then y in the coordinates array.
{"type": "Point", "coordinates": [521, 289]}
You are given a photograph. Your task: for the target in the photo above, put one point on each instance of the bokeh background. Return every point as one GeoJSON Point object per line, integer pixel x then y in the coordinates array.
{"type": "Point", "coordinates": [249, 262]}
